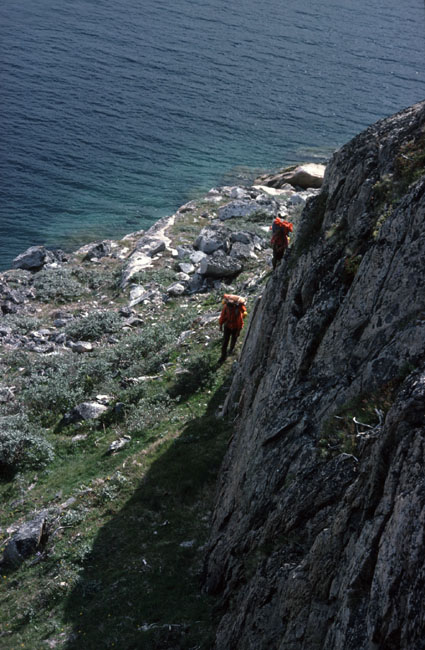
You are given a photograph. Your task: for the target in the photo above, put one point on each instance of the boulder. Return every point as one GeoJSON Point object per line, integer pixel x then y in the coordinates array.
{"type": "Point", "coordinates": [146, 247]}
{"type": "Point", "coordinates": [248, 238]}
{"type": "Point", "coordinates": [184, 252]}
{"type": "Point", "coordinates": [182, 277]}
{"type": "Point", "coordinates": [213, 238]}
{"type": "Point", "coordinates": [281, 192]}
{"type": "Point", "coordinates": [136, 295]}
{"type": "Point", "coordinates": [238, 193]}
{"type": "Point", "coordinates": [188, 207]}
{"type": "Point", "coordinates": [26, 541]}
{"type": "Point", "coordinates": [187, 268]}
{"type": "Point", "coordinates": [84, 411]}
{"type": "Point", "coordinates": [197, 256]}
{"type": "Point", "coordinates": [219, 266]}
{"type": "Point", "coordinates": [35, 257]}
{"type": "Point", "coordinates": [96, 251]}
{"type": "Point", "coordinates": [137, 262]}
{"type": "Point", "coordinates": [242, 252]}
{"type": "Point", "coordinates": [196, 283]}
{"type": "Point", "coordinates": [246, 208]}
{"type": "Point", "coordinates": [150, 246]}
{"type": "Point", "coordinates": [176, 289]}
{"type": "Point", "coordinates": [304, 176]}
{"type": "Point", "coordinates": [80, 346]}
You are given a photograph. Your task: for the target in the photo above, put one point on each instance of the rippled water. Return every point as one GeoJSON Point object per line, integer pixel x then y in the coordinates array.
{"type": "Point", "coordinates": [114, 114]}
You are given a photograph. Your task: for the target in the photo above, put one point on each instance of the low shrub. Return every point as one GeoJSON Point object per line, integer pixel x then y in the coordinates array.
{"type": "Point", "coordinates": [52, 390]}
{"type": "Point", "coordinates": [21, 324]}
{"type": "Point", "coordinates": [57, 285]}
{"type": "Point", "coordinates": [198, 375]}
{"type": "Point", "coordinates": [148, 413]}
{"type": "Point", "coordinates": [22, 445]}
{"type": "Point", "coordinates": [94, 326]}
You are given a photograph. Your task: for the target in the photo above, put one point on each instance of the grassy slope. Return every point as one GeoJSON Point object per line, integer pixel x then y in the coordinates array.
{"type": "Point", "coordinates": [123, 559]}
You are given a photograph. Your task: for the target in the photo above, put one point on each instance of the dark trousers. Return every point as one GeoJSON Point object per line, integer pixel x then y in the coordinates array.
{"type": "Point", "coordinates": [277, 255]}
{"type": "Point", "coordinates": [228, 335]}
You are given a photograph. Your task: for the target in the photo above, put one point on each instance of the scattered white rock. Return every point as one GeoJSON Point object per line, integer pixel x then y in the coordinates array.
{"type": "Point", "coordinates": [81, 346]}
{"type": "Point", "coordinates": [119, 444]}
{"type": "Point", "coordinates": [176, 289]}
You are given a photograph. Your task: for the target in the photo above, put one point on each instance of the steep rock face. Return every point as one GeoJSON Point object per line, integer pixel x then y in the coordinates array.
{"type": "Point", "coordinates": [318, 531]}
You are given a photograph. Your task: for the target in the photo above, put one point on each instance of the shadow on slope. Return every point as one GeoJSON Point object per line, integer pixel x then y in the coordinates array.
{"type": "Point", "coordinates": [140, 584]}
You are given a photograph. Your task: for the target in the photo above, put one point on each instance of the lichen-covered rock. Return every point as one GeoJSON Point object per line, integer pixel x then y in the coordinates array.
{"type": "Point", "coordinates": [219, 266]}
{"type": "Point", "coordinates": [317, 538]}
{"type": "Point", "coordinates": [213, 238]}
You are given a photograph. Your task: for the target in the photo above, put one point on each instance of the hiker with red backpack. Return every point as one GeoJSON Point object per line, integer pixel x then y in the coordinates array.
{"type": "Point", "coordinates": [280, 238]}
{"type": "Point", "coordinates": [231, 320]}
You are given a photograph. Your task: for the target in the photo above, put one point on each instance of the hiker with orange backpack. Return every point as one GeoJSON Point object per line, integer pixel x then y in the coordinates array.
{"type": "Point", "coordinates": [231, 320]}
{"type": "Point", "coordinates": [280, 238]}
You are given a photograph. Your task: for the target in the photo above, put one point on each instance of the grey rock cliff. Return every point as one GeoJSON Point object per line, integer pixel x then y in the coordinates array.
{"type": "Point", "coordinates": [318, 531]}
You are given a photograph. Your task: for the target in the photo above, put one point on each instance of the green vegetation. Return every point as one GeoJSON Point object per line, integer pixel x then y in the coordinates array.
{"type": "Point", "coordinates": [351, 266]}
{"type": "Point", "coordinates": [22, 446]}
{"type": "Point", "coordinates": [57, 285]}
{"type": "Point", "coordinates": [339, 432]}
{"type": "Point", "coordinates": [409, 166]}
{"type": "Point", "coordinates": [410, 163]}
{"type": "Point", "coordinates": [126, 530]}
{"type": "Point", "coordinates": [94, 326]}
{"type": "Point", "coordinates": [120, 563]}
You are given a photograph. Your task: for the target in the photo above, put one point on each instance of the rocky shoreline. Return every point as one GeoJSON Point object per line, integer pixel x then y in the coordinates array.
{"type": "Point", "coordinates": [210, 260]}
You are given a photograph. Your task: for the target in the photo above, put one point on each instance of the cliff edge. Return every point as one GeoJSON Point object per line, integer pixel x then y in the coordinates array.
{"type": "Point", "coordinates": [318, 531]}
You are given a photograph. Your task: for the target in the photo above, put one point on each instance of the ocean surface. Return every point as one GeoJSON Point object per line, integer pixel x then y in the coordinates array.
{"type": "Point", "coordinates": [113, 114]}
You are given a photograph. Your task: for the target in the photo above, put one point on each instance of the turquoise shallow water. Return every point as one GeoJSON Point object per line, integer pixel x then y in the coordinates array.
{"type": "Point", "coordinates": [114, 114]}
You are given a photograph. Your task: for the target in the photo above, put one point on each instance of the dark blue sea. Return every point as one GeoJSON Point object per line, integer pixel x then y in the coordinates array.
{"type": "Point", "coordinates": [112, 114]}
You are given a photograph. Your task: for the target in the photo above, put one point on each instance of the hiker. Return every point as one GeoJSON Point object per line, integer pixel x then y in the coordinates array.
{"type": "Point", "coordinates": [280, 238]}
{"type": "Point", "coordinates": [231, 317]}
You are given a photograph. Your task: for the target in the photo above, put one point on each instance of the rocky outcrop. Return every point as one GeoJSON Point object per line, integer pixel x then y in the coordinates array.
{"type": "Point", "coordinates": [35, 257]}
{"type": "Point", "coordinates": [303, 176]}
{"type": "Point", "coordinates": [147, 247]}
{"type": "Point", "coordinates": [318, 528]}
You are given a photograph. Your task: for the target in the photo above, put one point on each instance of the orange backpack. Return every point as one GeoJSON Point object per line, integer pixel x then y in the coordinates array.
{"type": "Point", "coordinates": [280, 225]}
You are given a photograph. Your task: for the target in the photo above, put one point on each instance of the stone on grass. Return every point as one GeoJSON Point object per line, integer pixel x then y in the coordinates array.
{"type": "Point", "coordinates": [119, 444]}
{"type": "Point", "coordinates": [176, 289]}
{"type": "Point", "coordinates": [80, 346]}
{"type": "Point", "coordinates": [136, 295]}
{"type": "Point", "coordinates": [84, 411]}
{"type": "Point", "coordinates": [26, 541]}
